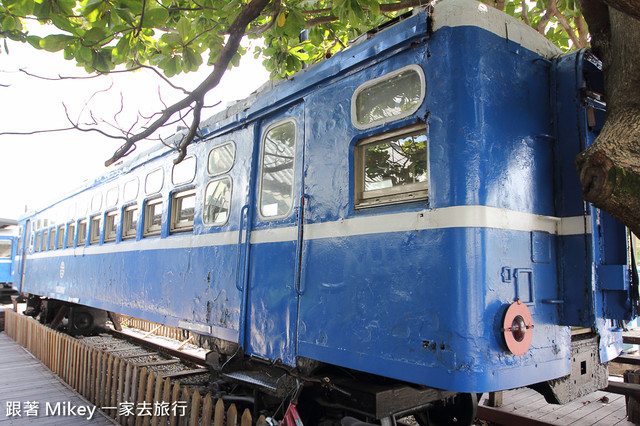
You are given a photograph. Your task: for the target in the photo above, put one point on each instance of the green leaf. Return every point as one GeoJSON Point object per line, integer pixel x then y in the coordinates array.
{"type": "Point", "coordinates": [55, 42]}
{"type": "Point", "coordinates": [155, 17]}
{"type": "Point", "coordinates": [9, 23]}
{"type": "Point", "coordinates": [88, 7]}
{"type": "Point", "coordinates": [183, 28]}
{"type": "Point", "coordinates": [95, 36]}
{"type": "Point", "coordinates": [191, 59]}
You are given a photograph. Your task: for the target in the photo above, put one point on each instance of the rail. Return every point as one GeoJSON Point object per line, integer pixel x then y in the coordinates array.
{"type": "Point", "coordinates": [130, 394]}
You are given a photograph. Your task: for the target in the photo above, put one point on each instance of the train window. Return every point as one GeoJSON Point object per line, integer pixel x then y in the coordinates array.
{"type": "Point", "coordinates": [217, 199]}
{"type": "Point", "coordinates": [182, 210]}
{"type": "Point", "coordinates": [278, 158]}
{"type": "Point", "coordinates": [153, 182]}
{"type": "Point", "coordinates": [130, 222]}
{"type": "Point", "coordinates": [388, 98]}
{"type": "Point", "coordinates": [111, 199]}
{"type": "Point", "coordinates": [45, 240]}
{"type": "Point", "coordinates": [71, 233]}
{"type": "Point", "coordinates": [82, 232]}
{"type": "Point", "coordinates": [110, 226]}
{"type": "Point", "coordinates": [391, 168]}
{"type": "Point", "coordinates": [184, 171]}
{"type": "Point", "coordinates": [19, 248]}
{"type": "Point", "coordinates": [38, 241]}
{"type": "Point", "coordinates": [5, 248]}
{"type": "Point", "coordinates": [52, 239]}
{"type": "Point", "coordinates": [60, 237]}
{"type": "Point", "coordinates": [96, 202]}
{"type": "Point", "coordinates": [152, 217]}
{"type": "Point", "coordinates": [94, 230]}
{"type": "Point", "coordinates": [221, 159]}
{"type": "Point", "coordinates": [130, 190]}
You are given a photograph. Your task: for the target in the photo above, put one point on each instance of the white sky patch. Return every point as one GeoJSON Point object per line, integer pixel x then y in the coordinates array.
{"type": "Point", "coordinates": [39, 168]}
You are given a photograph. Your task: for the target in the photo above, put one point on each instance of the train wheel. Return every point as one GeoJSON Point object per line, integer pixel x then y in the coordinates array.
{"type": "Point", "coordinates": [461, 411]}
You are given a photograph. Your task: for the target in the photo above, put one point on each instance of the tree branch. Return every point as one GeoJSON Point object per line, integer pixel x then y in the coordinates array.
{"type": "Point", "coordinates": [236, 30]}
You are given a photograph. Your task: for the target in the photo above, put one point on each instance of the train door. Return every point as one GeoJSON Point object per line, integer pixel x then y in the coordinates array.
{"type": "Point", "coordinates": [271, 310]}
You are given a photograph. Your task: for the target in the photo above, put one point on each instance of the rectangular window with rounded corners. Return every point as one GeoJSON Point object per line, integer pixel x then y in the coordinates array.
{"type": "Point", "coordinates": [110, 226]}
{"type": "Point", "coordinates": [277, 170]}
{"type": "Point", "coordinates": [45, 240]}
{"type": "Point", "coordinates": [152, 217]}
{"type": "Point", "coordinates": [60, 244]}
{"type": "Point", "coordinates": [19, 248]}
{"type": "Point", "coordinates": [71, 233]}
{"type": "Point", "coordinates": [96, 224]}
{"type": "Point", "coordinates": [52, 239]}
{"type": "Point", "coordinates": [130, 190]}
{"type": "Point", "coordinates": [96, 202]}
{"type": "Point", "coordinates": [111, 198]}
{"type": "Point", "coordinates": [153, 182]}
{"type": "Point", "coordinates": [217, 201]}
{"type": "Point", "coordinates": [184, 172]}
{"type": "Point", "coordinates": [82, 233]}
{"type": "Point", "coordinates": [38, 241]}
{"type": "Point", "coordinates": [391, 168]}
{"type": "Point", "coordinates": [5, 249]}
{"type": "Point", "coordinates": [221, 158]}
{"type": "Point", "coordinates": [183, 205]}
{"type": "Point", "coordinates": [129, 222]}
{"type": "Point", "coordinates": [388, 98]}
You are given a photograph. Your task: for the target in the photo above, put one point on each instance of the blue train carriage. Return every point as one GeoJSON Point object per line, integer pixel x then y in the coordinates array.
{"type": "Point", "coordinates": [399, 227]}
{"type": "Point", "coordinates": [8, 249]}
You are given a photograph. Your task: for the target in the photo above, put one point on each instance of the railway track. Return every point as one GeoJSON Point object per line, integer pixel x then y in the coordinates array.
{"type": "Point", "coordinates": [182, 367]}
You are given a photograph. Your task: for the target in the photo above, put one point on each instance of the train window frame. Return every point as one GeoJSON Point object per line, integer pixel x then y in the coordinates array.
{"type": "Point", "coordinates": [45, 240]}
{"type": "Point", "coordinates": [38, 244]}
{"type": "Point", "coordinates": [184, 172]}
{"type": "Point", "coordinates": [129, 194]}
{"type": "Point", "coordinates": [150, 229]}
{"type": "Point", "coordinates": [129, 232]}
{"type": "Point", "coordinates": [110, 226]}
{"type": "Point", "coordinates": [95, 228]}
{"type": "Point", "coordinates": [6, 243]}
{"type": "Point", "coordinates": [218, 172]}
{"type": "Point", "coordinates": [96, 202]}
{"type": "Point", "coordinates": [411, 192]}
{"type": "Point", "coordinates": [376, 81]}
{"type": "Point", "coordinates": [147, 182]}
{"type": "Point", "coordinates": [111, 197]}
{"type": "Point", "coordinates": [83, 224]}
{"type": "Point", "coordinates": [60, 237]}
{"type": "Point", "coordinates": [262, 170]}
{"type": "Point", "coordinates": [177, 199]}
{"type": "Point", "coordinates": [52, 239]}
{"type": "Point", "coordinates": [205, 205]}
{"type": "Point", "coordinates": [71, 233]}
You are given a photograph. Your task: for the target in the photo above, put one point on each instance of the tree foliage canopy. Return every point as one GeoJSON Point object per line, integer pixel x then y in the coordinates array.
{"type": "Point", "coordinates": [181, 35]}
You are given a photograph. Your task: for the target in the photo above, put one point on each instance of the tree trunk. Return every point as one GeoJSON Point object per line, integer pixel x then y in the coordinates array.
{"type": "Point", "coordinates": [609, 169]}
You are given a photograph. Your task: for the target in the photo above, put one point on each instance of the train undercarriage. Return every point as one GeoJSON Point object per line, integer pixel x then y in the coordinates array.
{"type": "Point", "coordinates": [323, 394]}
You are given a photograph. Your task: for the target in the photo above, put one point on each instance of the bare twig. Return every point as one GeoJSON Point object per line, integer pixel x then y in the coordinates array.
{"type": "Point", "coordinates": [237, 30]}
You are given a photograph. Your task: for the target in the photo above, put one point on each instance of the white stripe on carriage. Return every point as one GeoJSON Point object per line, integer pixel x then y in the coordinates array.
{"type": "Point", "coordinates": [447, 217]}
{"type": "Point", "coordinates": [151, 243]}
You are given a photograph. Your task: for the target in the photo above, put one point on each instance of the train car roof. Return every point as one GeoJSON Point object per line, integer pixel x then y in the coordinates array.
{"type": "Point", "coordinates": [7, 222]}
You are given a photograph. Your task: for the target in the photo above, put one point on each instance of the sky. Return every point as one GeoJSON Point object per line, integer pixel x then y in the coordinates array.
{"type": "Point", "coordinates": [37, 169]}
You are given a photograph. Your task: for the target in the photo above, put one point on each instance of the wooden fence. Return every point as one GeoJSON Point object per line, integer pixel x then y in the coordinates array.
{"type": "Point", "coordinates": [129, 394]}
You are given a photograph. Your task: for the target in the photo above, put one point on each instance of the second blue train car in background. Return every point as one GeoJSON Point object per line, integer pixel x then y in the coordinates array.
{"type": "Point", "coordinates": [404, 215]}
